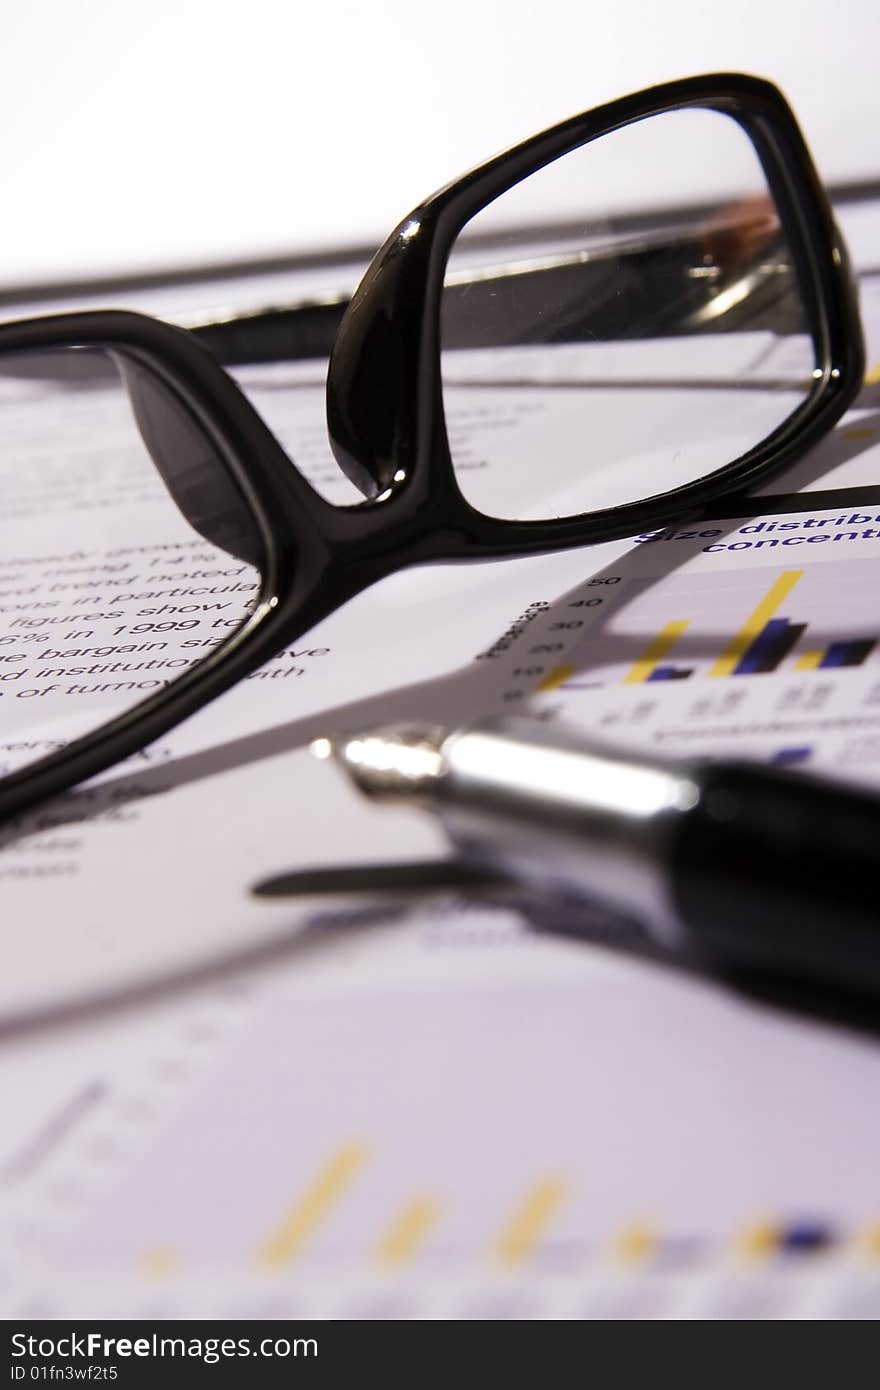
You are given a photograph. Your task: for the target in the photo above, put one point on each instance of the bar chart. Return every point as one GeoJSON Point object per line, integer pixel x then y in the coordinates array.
{"type": "Point", "coordinates": [764, 642]}
{"type": "Point", "coordinates": [498, 1186]}
{"type": "Point", "coordinates": [732, 658]}
{"type": "Point", "coordinates": [400, 1170]}
{"type": "Point", "coordinates": [758, 623]}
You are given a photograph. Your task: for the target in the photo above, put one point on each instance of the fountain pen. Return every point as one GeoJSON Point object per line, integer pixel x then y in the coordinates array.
{"type": "Point", "coordinates": [731, 863]}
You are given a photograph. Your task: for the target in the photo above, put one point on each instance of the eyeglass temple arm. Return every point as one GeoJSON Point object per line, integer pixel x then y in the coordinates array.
{"type": "Point", "coordinates": [662, 285]}
{"type": "Point", "coordinates": [287, 333]}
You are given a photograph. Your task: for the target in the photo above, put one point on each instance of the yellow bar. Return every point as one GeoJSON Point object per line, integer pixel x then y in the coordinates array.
{"type": "Point", "coordinates": [532, 1216]}
{"type": "Point", "coordinates": [159, 1262]}
{"type": "Point", "coordinates": [760, 1240]}
{"type": "Point", "coordinates": [808, 661]}
{"type": "Point", "coordinates": [557, 677]}
{"type": "Point", "coordinates": [873, 375]}
{"type": "Point", "coordinates": [636, 1243]}
{"type": "Point", "coordinates": [871, 1241]}
{"type": "Point", "coordinates": [858, 432]}
{"type": "Point", "coordinates": [408, 1230]}
{"type": "Point", "coordinates": [313, 1206]}
{"type": "Point", "coordinates": [654, 652]}
{"type": "Point", "coordinates": [764, 611]}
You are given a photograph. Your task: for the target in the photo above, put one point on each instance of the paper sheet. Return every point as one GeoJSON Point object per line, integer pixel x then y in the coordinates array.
{"type": "Point", "coordinates": [389, 1107]}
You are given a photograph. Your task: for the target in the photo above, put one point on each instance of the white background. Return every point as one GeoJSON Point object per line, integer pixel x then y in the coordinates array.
{"type": "Point", "coordinates": [185, 131]}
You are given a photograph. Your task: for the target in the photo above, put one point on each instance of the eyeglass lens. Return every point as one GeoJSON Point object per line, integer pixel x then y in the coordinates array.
{"type": "Point", "coordinates": [127, 553]}
{"type": "Point", "coordinates": [629, 352]}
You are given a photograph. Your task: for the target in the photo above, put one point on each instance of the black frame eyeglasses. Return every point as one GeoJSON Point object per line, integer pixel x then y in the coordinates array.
{"type": "Point", "coordinates": [386, 417]}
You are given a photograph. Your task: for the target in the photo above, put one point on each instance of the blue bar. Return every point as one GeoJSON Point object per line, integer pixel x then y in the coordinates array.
{"type": "Point", "coordinates": [846, 654]}
{"type": "Point", "coordinates": [806, 1237]}
{"type": "Point", "coordinates": [669, 673]}
{"type": "Point", "coordinates": [787, 757]}
{"type": "Point", "coordinates": [762, 648]}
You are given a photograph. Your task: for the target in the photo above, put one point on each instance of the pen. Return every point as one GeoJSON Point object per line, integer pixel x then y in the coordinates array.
{"type": "Point", "coordinates": [736, 864]}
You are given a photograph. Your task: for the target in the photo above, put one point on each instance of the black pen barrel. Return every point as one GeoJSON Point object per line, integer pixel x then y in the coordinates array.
{"type": "Point", "coordinates": [778, 872]}
{"type": "Point", "coordinates": [744, 866]}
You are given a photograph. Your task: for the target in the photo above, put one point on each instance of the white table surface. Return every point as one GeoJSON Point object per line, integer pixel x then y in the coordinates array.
{"type": "Point", "coordinates": [181, 131]}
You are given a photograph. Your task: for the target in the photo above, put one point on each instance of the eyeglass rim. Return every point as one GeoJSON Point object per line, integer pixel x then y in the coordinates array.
{"type": "Point", "coordinates": [425, 517]}
{"type": "Point", "coordinates": [402, 288]}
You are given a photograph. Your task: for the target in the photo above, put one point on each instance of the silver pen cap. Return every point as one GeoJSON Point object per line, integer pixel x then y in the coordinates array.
{"type": "Point", "coordinates": [530, 798]}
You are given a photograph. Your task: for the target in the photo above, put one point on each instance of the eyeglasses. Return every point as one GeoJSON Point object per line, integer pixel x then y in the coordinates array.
{"type": "Point", "coordinates": [634, 366]}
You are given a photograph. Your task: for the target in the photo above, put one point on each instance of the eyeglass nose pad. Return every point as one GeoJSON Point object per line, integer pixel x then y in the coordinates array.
{"type": "Point", "coordinates": [189, 464]}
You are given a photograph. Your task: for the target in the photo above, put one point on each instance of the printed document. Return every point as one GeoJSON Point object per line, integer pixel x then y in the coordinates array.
{"type": "Point", "coordinates": [343, 1103]}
